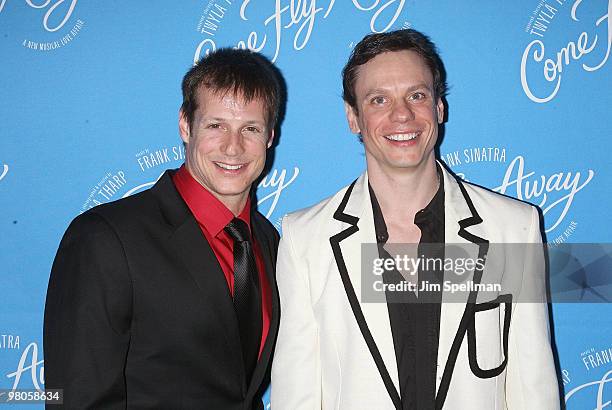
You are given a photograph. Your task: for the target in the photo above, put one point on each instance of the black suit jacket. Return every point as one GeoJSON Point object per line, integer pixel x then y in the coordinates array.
{"type": "Point", "coordinates": [139, 314]}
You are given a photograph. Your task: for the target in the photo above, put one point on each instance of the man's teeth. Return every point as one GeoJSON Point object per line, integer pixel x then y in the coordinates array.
{"type": "Point", "coordinates": [228, 166]}
{"type": "Point", "coordinates": [402, 137]}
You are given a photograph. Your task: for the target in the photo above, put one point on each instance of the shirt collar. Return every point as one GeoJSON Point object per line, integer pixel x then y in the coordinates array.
{"type": "Point", "coordinates": [433, 211]}
{"type": "Point", "coordinates": [207, 209]}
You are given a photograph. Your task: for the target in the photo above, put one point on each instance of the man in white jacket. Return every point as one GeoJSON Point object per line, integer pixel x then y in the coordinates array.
{"type": "Point", "coordinates": [337, 350]}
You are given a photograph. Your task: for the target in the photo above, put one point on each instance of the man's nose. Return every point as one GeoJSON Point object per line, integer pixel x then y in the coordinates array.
{"type": "Point", "coordinates": [402, 111]}
{"type": "Point", "coordinates": [233, 143]}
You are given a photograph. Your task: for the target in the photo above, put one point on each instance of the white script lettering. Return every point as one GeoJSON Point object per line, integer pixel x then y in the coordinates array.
{"type": "Point", "coordinates": [599, 405]}
{"type": "Point", "coordinates": [5, 169]}
{"type": "Point", "coordinates": [552, 68]}
{"type": "Point", "coordinates": [531, 189]}
{"type": "Point", "coordinates": [49, 12]}
{"type": "Point", "coordinates": [38, 377]}
{"type": "Point", "coordinates": [275, 180]}
{"type": "Point", "coordinates": [302, 14]}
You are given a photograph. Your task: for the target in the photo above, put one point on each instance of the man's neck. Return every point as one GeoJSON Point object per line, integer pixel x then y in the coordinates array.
{"type": "Point", "coordinates": [236, 205]}
{"type": "Point", "coordinates": [402, 193]}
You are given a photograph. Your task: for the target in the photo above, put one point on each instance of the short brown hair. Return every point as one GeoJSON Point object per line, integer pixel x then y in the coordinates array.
{"type": "Point", "coordinates": [374, 44]}
{"type": "Point", "coordinates": [241, 72]}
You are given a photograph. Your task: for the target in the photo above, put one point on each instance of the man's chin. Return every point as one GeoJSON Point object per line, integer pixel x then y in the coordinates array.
{"type": "Point", "coordinates": [233, 190]}
{"type": "Point", "coordinates": [404, 163]}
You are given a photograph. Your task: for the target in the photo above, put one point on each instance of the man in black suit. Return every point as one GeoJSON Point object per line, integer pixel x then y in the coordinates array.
{"type": "Point", "coordinates": [167, 299]}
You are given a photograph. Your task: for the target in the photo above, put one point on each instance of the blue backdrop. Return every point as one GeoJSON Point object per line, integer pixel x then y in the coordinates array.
{"type": "Point", "coordinates": [90, 95]}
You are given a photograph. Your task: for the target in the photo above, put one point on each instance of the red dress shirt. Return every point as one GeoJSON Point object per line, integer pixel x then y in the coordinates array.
{"type": "Point", "coordinates": [212, 216]}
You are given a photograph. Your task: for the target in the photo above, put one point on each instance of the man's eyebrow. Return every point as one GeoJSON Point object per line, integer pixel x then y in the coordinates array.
{"type": "Point", "coordinates": [414, 87]}
{"type": "Point", "coordinates": [221, 119]}
{"type": "Point", "coordinates": [420, 86]}
{"type": "Point", "coordinates": [375, 91]}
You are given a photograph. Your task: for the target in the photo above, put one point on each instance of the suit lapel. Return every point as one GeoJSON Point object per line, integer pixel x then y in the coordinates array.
{"type": "Point", "coordinates": [201, 262]}
{"type": "Point", "coordinates": [460, 216]}
{"type": "Point", "coordinates": [268, 249]}
{"type": "Point", "coordinates": [355, 211]}
{"type": "Point", "coordinates": [195, 253]}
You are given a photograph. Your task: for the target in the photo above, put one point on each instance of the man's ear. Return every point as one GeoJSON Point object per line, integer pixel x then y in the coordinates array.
{"type": "Point", "coordinates": [184, 128]}
{"type": "Point", "coordinates": [271, 139]}
{"type": "Point", "coordinates": [440, 110]}
{"type": "Point", "coordinates": [351, 116]}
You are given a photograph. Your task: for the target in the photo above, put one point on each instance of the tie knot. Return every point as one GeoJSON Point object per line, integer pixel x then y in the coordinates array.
{"type": "Point", "coordinates": [238, 230]}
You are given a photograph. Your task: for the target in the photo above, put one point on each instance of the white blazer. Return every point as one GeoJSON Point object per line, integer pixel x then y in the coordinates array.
{"type": "Point", "coordinates": [334, 352]}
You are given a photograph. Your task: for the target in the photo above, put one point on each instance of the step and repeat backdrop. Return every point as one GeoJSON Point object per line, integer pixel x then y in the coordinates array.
{"type": "Point", "coordinates": [89, 103]}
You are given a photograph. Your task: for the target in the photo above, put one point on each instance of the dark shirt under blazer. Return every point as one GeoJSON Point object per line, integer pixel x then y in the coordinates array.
{"type": "Point", "coordinates": [415, 324]}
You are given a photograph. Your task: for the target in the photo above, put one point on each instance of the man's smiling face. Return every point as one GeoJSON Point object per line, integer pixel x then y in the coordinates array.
{"type": "Point", "coordinates": [397, 112]}
{"type": "Point", "coordinates": [226, 144]}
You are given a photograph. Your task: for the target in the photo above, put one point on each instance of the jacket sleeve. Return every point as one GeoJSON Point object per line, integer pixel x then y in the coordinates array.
{"type": "Point", "coordinates": [531, 381]}
{"type": "Point", "coordinates": [88, 316]}
{"type": "Point", "coordinates": [296, 374]}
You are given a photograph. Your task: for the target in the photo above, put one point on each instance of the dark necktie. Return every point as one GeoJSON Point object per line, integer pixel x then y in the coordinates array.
{"type": "Point", "coordinates": [247, 298]}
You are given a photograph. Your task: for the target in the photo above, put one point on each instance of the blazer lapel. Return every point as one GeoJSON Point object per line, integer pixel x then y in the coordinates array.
{"type": "Point", "coordinates": [460, 216]}
{"type": "Point", "coordinates": [195, 253]}
{"type": "Point", "coordinates": [267, 246]}
{"type": "Point", "coordinates": [355, 211]}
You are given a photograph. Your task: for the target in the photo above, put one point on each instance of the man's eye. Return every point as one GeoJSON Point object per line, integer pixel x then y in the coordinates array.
{"type": "Point", "coordinates": [252, 129]}
{"type": "Point", "coordinates": [378, 100]}
{"type": "Point", "coordinates": [418, 96]}
{"type": "Point", "coordinates": [213, 126]}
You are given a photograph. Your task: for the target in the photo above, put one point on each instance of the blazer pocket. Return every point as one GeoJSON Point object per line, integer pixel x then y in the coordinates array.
{"type": "Point", "coordinates": [486, 344]}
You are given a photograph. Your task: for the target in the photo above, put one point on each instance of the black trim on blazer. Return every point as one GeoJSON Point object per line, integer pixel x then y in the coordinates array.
{"type": "Point", "coordinates": [471, 334]}
{"type": "Point", "coordinates": [466, 319]}
{"type": "Point", "coordinates": [468, 314]}
{"type": "Point", "coordinates": [352, 297]}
